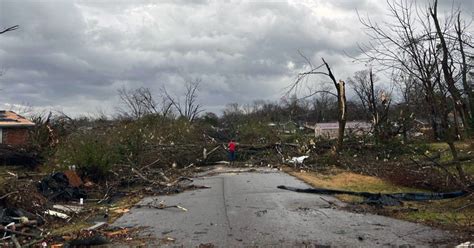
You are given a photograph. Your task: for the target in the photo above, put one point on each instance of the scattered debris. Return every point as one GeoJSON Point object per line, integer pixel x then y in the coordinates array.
{"type": "Point", "coordinates": [89, 240]}
{"type": "Point", "coordinates": [261, 213]}
{"type": "Point", "coordinates": [465, 245]}
{"type": "Point", "coordinates": [121, 210]}
{"type": "Point", "coordinates": [97, 226]}
{"type": "Point", "coordinates": [69, 208]}
{"type": "Point", "coordinates": [297, 160]}
{"type": "Point", "coordinates": [57, 214]}
{"type": "Point", "coordinates": [58, 187]}
{"type": "Point", "coordinates": [73, 179]}
{"type": "Point", "coordinates": [160, 205]}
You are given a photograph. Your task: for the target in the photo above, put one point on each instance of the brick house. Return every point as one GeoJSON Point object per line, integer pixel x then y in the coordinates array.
{"type": "Point", "coordinates": [14, 128]}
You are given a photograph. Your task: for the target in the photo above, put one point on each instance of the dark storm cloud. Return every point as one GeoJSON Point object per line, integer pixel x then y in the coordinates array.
{"type": "Point", "coordinates": [76, 54]}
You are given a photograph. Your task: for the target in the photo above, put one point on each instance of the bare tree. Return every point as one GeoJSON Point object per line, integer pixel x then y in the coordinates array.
{"type": "Point", "coordinates": [415, 44]}
{"type": "Point", "coordinates": [322, 107]}
{"type": "Point", "coordinates": [9, 29]}
{"type": "Point", "coordinates": [411, 104]}
{"type": "Point", "coordinates": [447, 67]}
{"type": "Point", "coordinates": [340, 94]}
{"type": "Point", "coordinates": [465, 67]}
{"type": "Point", "coordinates": [407, 44]}
{"type": "Point", "coordinates": [188, 107]}
{"type": "Point", "coordinates": [376, 102]}
{"type": "Point", "coordinates": [140, 102]}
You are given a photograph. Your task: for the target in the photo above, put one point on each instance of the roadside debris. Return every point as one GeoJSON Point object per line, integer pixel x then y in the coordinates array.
{"type": "Point", "coordinates": [57, 214]}
{"type": "Point", "coordinates": [33, 204]}
{"type": "Point", "coordinates": [97, 226]}
{"type": "Point", "coordinates": [58, 186]}
{"type": "Point", "coordinates": [18, 227]}
{"type": "Point", "coordinates": [384, 199]}
{"type": "Point", "coordinates": [297, 160]}
{"type": "Point", "coordinates": [160, 205]}
{"type": "Point", "coordinates": [69, 208]}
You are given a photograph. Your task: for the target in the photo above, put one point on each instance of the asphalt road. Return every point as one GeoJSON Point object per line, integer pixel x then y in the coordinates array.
{"type": "Point", "coordinates": [245, 209]}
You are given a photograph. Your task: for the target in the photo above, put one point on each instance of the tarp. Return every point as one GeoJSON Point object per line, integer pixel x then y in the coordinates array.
{"type": "Point", "coordinates": [57, 187]}
{"type": "Point", "coordinates": [384, 199]}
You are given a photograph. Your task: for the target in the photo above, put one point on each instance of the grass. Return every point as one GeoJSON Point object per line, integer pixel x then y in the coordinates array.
{"type": "Point", "coordinates": [457, 214]}
{"type": "Point", "coordinates": [344, 180]}
{"type": "Point", "coordinates": [463, 147]}
{"type": "Point", "coordinates": [351, 181]}
{"type": "Point", "coordinates": [450, 212]}
{"type": "Point", "coordinates": [469, 168]}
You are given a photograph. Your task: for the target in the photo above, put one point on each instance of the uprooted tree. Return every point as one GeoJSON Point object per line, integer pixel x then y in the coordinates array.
{"type": "Point", "coordinates": [340, 94]}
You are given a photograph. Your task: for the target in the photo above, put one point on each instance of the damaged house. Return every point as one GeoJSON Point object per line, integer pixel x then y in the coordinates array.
{"type": "Point", "coordinates": [330, 129]}
{"type": "Point", "coordinates": [14, 128]}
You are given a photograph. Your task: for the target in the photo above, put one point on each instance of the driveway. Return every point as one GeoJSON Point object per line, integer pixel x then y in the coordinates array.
{"type": "Point", "coordinates": [245, 209]}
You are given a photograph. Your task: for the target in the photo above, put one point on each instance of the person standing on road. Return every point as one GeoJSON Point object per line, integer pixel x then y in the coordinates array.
{"type": "Point", "coordinates": [231, 147]}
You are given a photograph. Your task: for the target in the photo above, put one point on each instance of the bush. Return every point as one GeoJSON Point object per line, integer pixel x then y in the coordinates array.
{"type": "Point", "coordinates": [93, 155]}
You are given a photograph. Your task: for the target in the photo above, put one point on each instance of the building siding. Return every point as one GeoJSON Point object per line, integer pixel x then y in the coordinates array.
{"type": "Point", "coordinates": [330, 130]}
{"type": "Point", "coordinates": [15, 136]}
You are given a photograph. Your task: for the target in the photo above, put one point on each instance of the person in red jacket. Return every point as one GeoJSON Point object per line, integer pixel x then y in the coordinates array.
{"type": "Point", "coordinates": [231, 147]}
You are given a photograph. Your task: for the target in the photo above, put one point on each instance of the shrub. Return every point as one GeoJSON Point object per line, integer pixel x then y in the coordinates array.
{"type": "Point", "coordinates": [93, 155]}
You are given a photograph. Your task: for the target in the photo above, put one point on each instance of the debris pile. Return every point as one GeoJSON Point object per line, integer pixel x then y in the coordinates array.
{"type": "Point", "coordinates": [33, 204]}
{"type": "Point", "coordinates": [98, 234]}
{"type": "Point", "coordinates": [25, 156]}
{"type": "Point", "coordinates": [61, 186]}
{"type": "Point", "coordinates": [19, 227]}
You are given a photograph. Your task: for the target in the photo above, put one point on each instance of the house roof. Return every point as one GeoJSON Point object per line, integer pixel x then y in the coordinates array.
{"type": "Point", "coordinates": [12, 119]}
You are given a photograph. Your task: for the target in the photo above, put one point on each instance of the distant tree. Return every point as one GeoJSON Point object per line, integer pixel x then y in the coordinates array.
{"type": "Point", "coordinates": [210, 118]}
{"type": "Point", "coordinates": [375, 101]}
{"type": "Point", "coordinates": [140, 102]}
{"type": "Point", "coordinates": [187, 108]}
{"type": "Point", "coordinates": [322, 107]}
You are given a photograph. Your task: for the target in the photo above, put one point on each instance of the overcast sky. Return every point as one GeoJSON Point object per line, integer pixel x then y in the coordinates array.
{"type": "Point", "coordinates": [74, 55]}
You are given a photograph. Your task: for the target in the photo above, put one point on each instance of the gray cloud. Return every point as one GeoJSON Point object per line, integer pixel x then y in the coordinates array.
{"type": "Point", "coordinates": [76, 54]}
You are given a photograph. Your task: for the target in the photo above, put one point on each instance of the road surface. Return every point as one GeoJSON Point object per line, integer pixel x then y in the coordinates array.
{"type": "Point", "coordinates": [245, 209]}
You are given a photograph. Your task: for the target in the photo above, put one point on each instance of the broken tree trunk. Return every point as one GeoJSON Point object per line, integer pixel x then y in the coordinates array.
{"type": "Point", "coordinates": [341, 106]}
